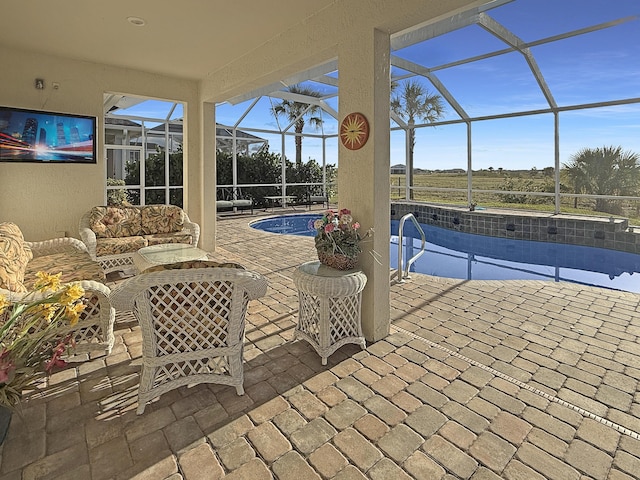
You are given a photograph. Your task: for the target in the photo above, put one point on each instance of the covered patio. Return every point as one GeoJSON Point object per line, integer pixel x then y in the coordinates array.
{"type": "Point", "coordinates": [460, 379]}
{"type": "Point", "coordinates": [477, 380]}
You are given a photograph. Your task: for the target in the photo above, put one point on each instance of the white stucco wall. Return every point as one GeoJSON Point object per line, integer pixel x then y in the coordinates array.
{"type": "Point", "coordinates": [47, 200]}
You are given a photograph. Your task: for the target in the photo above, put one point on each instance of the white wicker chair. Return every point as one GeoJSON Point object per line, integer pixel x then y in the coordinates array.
{"type": "Point", "coordinates": [95, 328]}
{"type": "Point", "coordinates": [192, 322]}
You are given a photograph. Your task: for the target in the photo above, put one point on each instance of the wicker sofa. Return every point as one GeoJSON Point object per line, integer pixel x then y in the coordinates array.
{"type": "Point", "coordinates": [113, 234]}
{"type": "Point", "coordinates": [21, 260]}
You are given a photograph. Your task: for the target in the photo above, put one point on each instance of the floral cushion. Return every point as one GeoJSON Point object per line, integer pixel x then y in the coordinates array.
{"type": "Point", "coordinates": [161, 219]}
{"type": "Point", "coordinates": [193, 264]}
{"type": "Point", "coordinates": [14, 256]}
{"type": "Point", "coordinates": [119, 246]}
{"type": "Point", "coordinates": [74, 266]}
{"type": "Point", "coordinates": [114, 222]}
{"type": "Point", "coordinates": [176, 237]}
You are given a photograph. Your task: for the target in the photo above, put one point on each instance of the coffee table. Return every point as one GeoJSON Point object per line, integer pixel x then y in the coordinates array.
{"type": "Point", "coordinates": [166, 253]}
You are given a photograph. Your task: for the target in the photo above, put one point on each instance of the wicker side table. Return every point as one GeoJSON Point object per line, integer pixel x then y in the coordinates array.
{"type": "Point", "coordinates": [329, 307]}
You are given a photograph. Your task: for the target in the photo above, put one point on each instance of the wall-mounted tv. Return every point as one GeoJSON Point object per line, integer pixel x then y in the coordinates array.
{"type": "Point", "coordinates": [47, 137]}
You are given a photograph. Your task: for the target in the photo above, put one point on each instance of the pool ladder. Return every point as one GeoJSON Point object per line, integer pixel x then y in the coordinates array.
{"type": "Point", "coordinates": [402, 275]}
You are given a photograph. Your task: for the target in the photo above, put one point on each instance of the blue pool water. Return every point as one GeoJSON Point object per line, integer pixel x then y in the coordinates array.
{"type": "Point", "coordinates": [454, 254]}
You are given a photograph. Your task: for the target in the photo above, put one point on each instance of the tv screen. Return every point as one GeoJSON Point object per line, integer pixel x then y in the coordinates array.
{"type": "Point", "coordinates": [48, 137]}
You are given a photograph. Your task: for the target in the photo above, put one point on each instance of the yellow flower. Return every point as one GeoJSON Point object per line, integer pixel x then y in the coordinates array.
{"type": "Point", "coordinates": [4, 303]}
{"type": "Point", "coordinates": [71, 293]}
{"type": "Point", "coordinates": [45, 310]}
{"type": "Point", "coordinates": [73, 313]}
{"type": "Point", "coordinates": [47, 281]}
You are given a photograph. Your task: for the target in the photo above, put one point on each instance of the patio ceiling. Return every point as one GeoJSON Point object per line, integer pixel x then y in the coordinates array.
{"type": "Point", "coordinates": [189, 39]}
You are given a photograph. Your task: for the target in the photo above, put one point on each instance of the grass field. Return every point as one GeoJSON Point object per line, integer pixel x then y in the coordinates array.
{"type": "Point", "coordinates": [494, 181]}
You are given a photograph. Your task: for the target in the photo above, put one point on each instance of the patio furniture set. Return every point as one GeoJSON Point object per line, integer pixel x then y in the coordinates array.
{"type": "Point", "coordinates": [235, 200]}
{"type": "Point", "coordinates": [191, 310]}
{"type": "Point", "coordinates": [309, 199]}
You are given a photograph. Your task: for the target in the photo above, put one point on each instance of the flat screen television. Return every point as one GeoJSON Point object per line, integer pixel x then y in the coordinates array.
{"type": "Point", "coordinates": [46, 137]}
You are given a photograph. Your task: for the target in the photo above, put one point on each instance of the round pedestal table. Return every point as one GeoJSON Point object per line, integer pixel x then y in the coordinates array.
{"type": "Point", "coordinates": [329, 307]}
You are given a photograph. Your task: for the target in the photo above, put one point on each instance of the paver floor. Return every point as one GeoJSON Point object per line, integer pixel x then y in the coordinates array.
{"type": "Point", "coordinates": [477, 380]}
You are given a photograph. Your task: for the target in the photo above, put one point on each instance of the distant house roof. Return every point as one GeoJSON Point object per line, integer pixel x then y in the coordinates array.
{"type": "Point", "coordinates": [176, 128]}
{"type": "Point", "coordinates": [123, 122]}
{"type": "Point", "coordinates": [225, 132]}
{"type": "Point", "coordinates": [398, 168]}
{"type": "Point", "coordinates": [224, 135]}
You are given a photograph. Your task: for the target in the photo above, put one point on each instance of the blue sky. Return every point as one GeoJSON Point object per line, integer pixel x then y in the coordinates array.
{"type": "Point", "coordinates": [595, 67]}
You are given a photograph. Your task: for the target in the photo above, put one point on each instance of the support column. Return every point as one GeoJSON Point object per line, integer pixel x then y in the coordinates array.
{"type": "Point", "coordinates": [363, 175]}
{"type": "Point", "coordinates": [208, 176]}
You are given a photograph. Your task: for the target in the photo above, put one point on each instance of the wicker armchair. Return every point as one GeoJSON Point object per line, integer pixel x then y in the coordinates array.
{"type": "Point", "coordinates": [192, 317]}
{"type": "Point", "coordinates": [69, 256]}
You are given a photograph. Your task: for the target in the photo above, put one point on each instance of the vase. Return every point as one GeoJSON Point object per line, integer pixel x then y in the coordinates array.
{"type": "Point", "coordinates": [337, 261]}
{"type": "Point", "coordinates": [5, 421]}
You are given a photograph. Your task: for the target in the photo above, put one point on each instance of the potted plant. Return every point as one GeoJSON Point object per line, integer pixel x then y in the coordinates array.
{"type": "Point", "coordinates": [31, 344]}
{"type": "Point", "coordinates": [338, 239]}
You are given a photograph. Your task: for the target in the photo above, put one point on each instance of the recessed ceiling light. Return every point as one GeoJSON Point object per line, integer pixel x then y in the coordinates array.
{"type": "Point", "coordinates": [137, 21]}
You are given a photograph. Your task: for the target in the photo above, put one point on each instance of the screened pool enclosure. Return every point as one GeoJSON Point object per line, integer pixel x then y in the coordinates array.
{"type": "Point", "coordinates": [516, 104]}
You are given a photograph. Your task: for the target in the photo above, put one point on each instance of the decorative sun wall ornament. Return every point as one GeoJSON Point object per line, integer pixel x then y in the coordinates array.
{"type": "Point", "coordinates": [354, 131]}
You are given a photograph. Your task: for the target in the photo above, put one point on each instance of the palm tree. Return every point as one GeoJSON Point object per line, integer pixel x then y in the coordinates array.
{"type": "Point", "coordinates": [575, 173]}
{"type": "Point", "coordinates": [414, 102]}
{"type": "Point", "coordinates": [297, 112]}
{"type": "Point", "coordinates": [603, 171]}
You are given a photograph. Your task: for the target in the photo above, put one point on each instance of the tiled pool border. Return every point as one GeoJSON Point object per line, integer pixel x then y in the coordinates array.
{"type": "Point", "coordinates": [611, 233]}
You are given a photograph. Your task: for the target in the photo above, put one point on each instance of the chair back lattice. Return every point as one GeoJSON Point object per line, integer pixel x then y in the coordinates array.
{"type": "Point", "coordinates": [192, 323]}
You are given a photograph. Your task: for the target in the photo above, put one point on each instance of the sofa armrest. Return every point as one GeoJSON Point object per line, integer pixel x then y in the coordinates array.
{"type": "Point", "coordinates": [96, 321]}
{"type": "Point", "coordinates": [90, 286]}
{"type": "Point", "coordinates": [88, 236]}
{"type": "Point", "coordinates": [56, 245]}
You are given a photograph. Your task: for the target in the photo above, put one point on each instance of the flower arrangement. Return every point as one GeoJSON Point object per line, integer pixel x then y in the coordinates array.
{"type": "Point", "coordinates": [31, 344]}
{"type": "Point", "coordinates": [338, 239]}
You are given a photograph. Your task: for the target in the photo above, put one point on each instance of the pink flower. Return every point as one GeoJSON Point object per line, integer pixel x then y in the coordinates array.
{"type": "Point", "coordinates": [356, 225]}
{"type": "Point", "coordinates": [55, 360]}
{"type": "Point", "coordinates": [329, 228]}
{"type": "Point", "coordinates": [345, 211]}
{"type": "Point", "coordinates": [6, 367]}
{"type": "Point", "coordinates": [5, 371]}
{"type": "Point", "coordinates": [54, 363]}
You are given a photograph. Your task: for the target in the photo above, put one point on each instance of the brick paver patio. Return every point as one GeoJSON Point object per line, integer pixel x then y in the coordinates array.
{"type": "Point", "coordinates": [477, 380]}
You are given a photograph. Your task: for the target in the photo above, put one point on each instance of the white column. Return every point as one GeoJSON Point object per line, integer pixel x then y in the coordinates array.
{"type": "Point", "coordinates": [208, 176]}
{"type": "Point", "coordinates": [363, 175]}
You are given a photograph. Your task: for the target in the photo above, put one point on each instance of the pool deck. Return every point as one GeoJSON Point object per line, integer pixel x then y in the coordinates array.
{"type": "Point", "coordinates": [477, 380]}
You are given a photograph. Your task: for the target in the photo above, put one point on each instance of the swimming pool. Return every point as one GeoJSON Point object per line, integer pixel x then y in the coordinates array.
{"type": "Point", "coordinates": [460, 255]}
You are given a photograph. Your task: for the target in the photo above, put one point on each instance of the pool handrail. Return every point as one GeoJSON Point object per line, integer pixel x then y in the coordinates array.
{"type": "Point", "coordinates": [401, 275]}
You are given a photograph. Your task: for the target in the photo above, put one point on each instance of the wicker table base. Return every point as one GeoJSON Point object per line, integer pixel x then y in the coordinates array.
{"type": "Point", "coordinates": [330, 302]}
